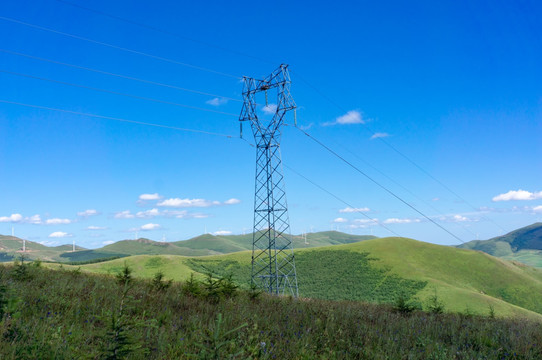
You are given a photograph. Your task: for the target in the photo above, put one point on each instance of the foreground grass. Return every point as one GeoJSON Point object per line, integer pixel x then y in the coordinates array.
{"type": "Point", "coordinates": [62, 314]}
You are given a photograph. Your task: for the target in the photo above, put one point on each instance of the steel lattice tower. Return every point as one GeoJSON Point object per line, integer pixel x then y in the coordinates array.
{"type": "Point", "coordinates": [273, 265]}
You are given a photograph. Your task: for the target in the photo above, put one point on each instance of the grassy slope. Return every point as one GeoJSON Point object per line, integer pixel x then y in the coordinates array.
{"type": "Point", "coordinates": [234, 243]}
{"type": "Point", "coordinates": [524, 245]}
{"type": "Point", "coordinates": [528, 257]}
{"type": "Point", "coordinates": [69, 315]}
{"type": "Point", "coordinates": [463, 279]}
{"type": "Point", "coordinates": [218, 244]}
{"type": "Point", "coordinates": [199, 246]}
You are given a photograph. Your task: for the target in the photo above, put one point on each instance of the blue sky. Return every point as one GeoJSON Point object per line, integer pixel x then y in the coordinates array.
{"type": "Point", "coordinates": [454, 87]}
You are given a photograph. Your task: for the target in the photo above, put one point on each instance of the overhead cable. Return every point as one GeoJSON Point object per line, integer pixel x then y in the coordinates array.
{"type": "Point", "coordinates": [149, 27]}
{"type": "Point", "coordinates": [403, 155]}
{"type": "Point", "coordinates": [379, 185]}
{"type": "Point", "coordinates": [116, 119]}
{"type": "Point", "coordinates": [400, 185]}
{"type": "Point", "coordinates": [119, 47]}
{"type": "Point", "coordinates": [115, 92]}
{"type": "Point", "coordinates": [341, 200]}
{"type": "Point", "coordinates": [119, 75]}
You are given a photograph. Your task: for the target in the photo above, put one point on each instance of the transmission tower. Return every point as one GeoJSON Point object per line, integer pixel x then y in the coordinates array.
{"type": "Point", "coordinates": [273, 265]}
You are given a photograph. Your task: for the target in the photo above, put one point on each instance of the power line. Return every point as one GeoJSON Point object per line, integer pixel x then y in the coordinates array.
{"type": "Point", "coordinates": [115, 92]}
{"type": "Point", "coordinates": [115, 118]}
{"type": "Point", "coordinates": [397, 183]}
{"type": "Point", "coordinates": [387, 143]}
{"type": "Point", "coordinates": [341, 200]}
{"type": "Point", "coordinates": [118, 75]}
{"type": "Point", "coordinates": [380, 185]}
{"type": "Point", "coordinates": [118, 47]}
{"type": "Point", "coordinates": [149, 27]}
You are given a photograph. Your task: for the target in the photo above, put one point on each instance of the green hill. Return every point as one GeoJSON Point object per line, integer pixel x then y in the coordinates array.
{"type": "Point", "coordinates": [217, 244]}
{"type": "Point", "coordinates": [13, 243]}
{"type": "Point", "coordinates": [524, 245]}
{"type": "Point", "coordinates": [202, 245]}
{"type": "Point", "coordinates": [11, 247]}
{"type": "Point", "coordinates": [379, 271]}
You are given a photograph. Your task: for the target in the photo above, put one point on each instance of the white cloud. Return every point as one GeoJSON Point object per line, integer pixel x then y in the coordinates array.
{"type": "Point", "coordinates": [148, 227]}
{"type": "Point", "coordinates": [147, 197]}
{"type": "Point", "coordinates": [379, 135]}
{"type": "Point", "coordinates": [199, 216]}
{"type": "Point", "coordinates": [537, 209]}
{"type": "Point", "coordinates": [362, 223]}
{"type": "Point", "coordinates": [49, 243]}
{"type": "Point", "coordinates": [354, 210]}
{"type": "Point", "coordinates": [124, 215]}
{"type": "Point", "coordinates": [435, 199]}
{"type": "Point", "coordinates": [460, 218]}
{"type": "Point", "coordinates": [340, 220]}
{"type": "Point", "coordinates": [87, 213]}
{"type": "Point", "coordinates": [148, 213]}
{"type": "Point", "coordinates": [108, 242]}
{"type": "Point", "coordinates": [180, 203]}
{"type": "Point", "coordinates": [232, 201]}
{"type": "Point", "coordinates": [57, 221]}
{"type": "Point", "coordinates": [365, 221]}
{"type": "Point", "coordinates": [217, 101]}
{"type": "Point", "coordinates": [35, 219]}
{"type": "Point", "coordinates": [518, 195]}
{"type": "Point", "coordinates": [13, 218]}
{"type": "Point", "coordinates": [222, 232]}
{"type": "Point", "coordinates": [351, 117]}
{"type": "Point", "coordinates": [306, 127]}
{"type": "Point", "coordinates": [270, 109]}
{"type": "Point", "coordinates": [59, 234]}
{"type": "Point", "coordinates": [401, 221]}
{"type": "Point", "coordinates": [92, 227]}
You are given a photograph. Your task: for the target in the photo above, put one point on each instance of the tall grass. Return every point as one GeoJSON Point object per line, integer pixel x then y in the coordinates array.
{"type": "Point", "coordinates": [68, 314]}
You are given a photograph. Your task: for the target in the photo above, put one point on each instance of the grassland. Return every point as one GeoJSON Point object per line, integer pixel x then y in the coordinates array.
{"type": "Point", "coordinates": [378, 271]}
{"type": "Point", "coordinates": [46, 314]}
{"type": "Point", "coordinates": [199, 246]}
{"type": "Point", "coordinates": [523, 245]}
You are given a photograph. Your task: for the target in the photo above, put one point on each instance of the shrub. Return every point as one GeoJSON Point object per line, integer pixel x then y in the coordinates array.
{"type": "Point", "coordinates": [158, 283]}
{"type": "Point", "coordinates": [192, 287]}
{"type": "Point", "coordinates": [403, 305]}
{"type": "Point", "coordinates": [215, 344]}
{"type": "Point", "coordinates": [491, 311]}
{"type": "Point", "coordinates": [124, 277]}
{"type": "Point", "coordinates": [20, 270]}
{"type": "Point", "coordinates": [434, 304]}
{"type": "Point", "coordinates": [3, 300]}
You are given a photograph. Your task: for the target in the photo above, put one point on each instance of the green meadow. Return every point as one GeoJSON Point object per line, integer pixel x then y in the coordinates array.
{"type": "Point", "coordinates": [377, 271]}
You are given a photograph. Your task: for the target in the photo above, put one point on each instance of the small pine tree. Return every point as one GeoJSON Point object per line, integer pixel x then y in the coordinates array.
{"type": "Point", "coordinates": [158, 283]}
{"type": "Point", "coordinates": [404, 306]}
{"type": "Point", "coordinates": [435, 304]}
{"type": "Point", "coordinates": [192, 287]}
{"type": "Point", "coordinates": [3, 301]}
{"type": "Point", "coordinates": [215, 344]}
{"type": "Point", "coordinates": [124, 277]}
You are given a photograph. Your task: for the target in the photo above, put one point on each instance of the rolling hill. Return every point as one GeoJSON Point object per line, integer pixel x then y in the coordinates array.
{"type": "Point", "coordinates": [523, 245]}
{"type": "Point", "coordinates": [377, 270]}
{"type": "Point", "coordinates": [202, 245]}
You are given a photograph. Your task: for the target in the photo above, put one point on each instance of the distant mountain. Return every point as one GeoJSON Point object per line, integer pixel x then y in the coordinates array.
{"type": "Point", "coordinates": [202, 245]}
{"type": "Point", "coordinates": [524, 245]}
{"type": "Point", "coordinates": [13, 243]}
